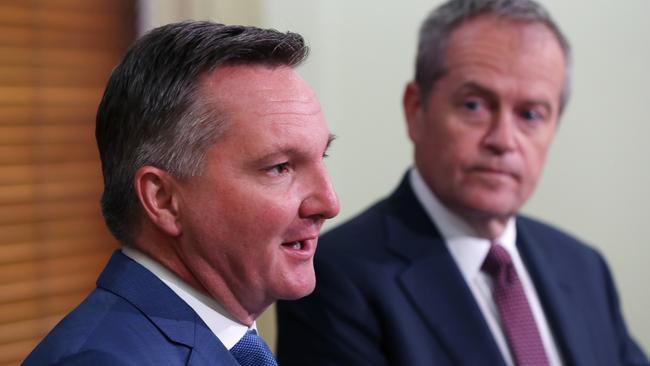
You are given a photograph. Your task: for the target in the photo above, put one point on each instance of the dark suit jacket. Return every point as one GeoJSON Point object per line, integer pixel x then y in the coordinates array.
{"type": "Point", "coordinates": [131, 318]}
{"type": "Point", "coordinates": [389, 292]}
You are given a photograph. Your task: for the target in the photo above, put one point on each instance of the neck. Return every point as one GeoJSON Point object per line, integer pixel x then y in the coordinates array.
{"type": "Point", "coordinates": [487, 227]}
{"type": "Point", "coordinates": [205, 280]}
{"type": "Point", "coordinates": [199, 277]}
{"type": "Point", "coordinates": [489, 230]}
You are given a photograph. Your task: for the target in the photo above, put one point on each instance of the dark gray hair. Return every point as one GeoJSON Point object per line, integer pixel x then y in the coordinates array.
{"type": "Point", "coordinates": [442, 21]}
{"type": "Point", "coordinates": [153, 113]}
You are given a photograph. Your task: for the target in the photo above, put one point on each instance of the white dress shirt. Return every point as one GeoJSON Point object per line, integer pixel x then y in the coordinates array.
{"type": "Point", "coordinates": [213, 315]}
{"type": "Point", "coordinates": [469, 251]}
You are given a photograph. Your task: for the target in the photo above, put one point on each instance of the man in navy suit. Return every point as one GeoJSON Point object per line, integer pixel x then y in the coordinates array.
{"type": "Point", "coordinates": [212, 153]}
{"type": "Point", "coordinates": [445, 271]}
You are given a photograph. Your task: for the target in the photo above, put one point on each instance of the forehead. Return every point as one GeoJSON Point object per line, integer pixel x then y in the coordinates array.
{"type": "Point", "coordinates": [488, 46]}
{"type": "Point", "coordinates": [265, 105]}
{"type": "Point", "coordinates": [257, 88]}
{"type": "Point", "coordinates": [491, 27]}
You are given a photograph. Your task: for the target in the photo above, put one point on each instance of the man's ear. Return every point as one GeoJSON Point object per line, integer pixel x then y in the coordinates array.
{"type": "Point", "coordinates": [157, 193]}
{"type": "Point", "coordinates": [413, 110]}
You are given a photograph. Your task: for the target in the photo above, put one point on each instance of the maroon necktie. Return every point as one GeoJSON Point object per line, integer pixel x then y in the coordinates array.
{"type": "Point", "coordinates": [516, 317]}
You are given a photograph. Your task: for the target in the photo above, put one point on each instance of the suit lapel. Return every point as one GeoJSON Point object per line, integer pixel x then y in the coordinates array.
{"type": "Point", "coordinates": [171, 315]}
{"type": "Point", "coordinates": [550, 270]}
{"type": "Point", "coordinates": [434, 284]}
{"type": "Point", "coordinates": [206, 353]}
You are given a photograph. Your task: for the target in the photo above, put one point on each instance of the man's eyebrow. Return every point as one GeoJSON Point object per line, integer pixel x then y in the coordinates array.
{"type": "Point", "coordinates": [474, 86]}
{"type": "Point", "coordinates": [543, 103]}
{"type": "Point", "coordinates": [330, 139]}
{"type": "Point", "coordinates": [270, 155]}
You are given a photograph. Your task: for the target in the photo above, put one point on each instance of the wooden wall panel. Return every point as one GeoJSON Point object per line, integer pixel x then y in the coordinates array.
{"type": "Point", "coordinates": [55, 59]}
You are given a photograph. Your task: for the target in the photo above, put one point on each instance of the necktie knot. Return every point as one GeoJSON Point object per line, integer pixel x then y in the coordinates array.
{"type": "Point", "coordinates": [498, 262]}
{"type": "Point", "coordinates": [251, 350]}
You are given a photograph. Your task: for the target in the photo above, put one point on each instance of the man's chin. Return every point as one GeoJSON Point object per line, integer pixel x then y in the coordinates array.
{"type": "Point", "coordinates": [489, 207]}
{"type": "Point", "coordinates": [298, 289]}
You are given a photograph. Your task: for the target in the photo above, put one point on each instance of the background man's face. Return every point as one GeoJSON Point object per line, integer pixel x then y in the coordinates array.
{"type": "Point", "coordinates": [481, 139]}
{"type": "Point", "coordinates": [252, 219]}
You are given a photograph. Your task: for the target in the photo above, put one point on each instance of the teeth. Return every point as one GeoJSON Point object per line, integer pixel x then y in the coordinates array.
{"type": "Point", "coordinates": [296, 245]}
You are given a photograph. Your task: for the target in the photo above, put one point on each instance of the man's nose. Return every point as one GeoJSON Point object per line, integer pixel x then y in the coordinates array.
{"type": "Point", "coordinates": [501, 135]}
{"type": "Point", "coordinates": [322, 202]}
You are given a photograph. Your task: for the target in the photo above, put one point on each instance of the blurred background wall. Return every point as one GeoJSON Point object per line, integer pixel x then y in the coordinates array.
{"type": "Point", "coordinates": [55, 56]}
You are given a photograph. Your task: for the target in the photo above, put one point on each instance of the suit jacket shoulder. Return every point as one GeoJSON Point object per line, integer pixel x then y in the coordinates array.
{"type": "Point", "coordinates": [131, 318]}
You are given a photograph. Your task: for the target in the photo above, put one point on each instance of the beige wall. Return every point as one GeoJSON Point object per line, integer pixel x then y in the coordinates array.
{"type": "Point", "coordinates": [598, 173]}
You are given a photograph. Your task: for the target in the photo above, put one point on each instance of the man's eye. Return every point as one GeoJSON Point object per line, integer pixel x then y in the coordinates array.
{"type": "Point", "coordinates": [474, 109]}
{"type": "Point", "coordinates": [472, 105]}
{"type": "Point", "coordinates": [281, 168]}
{"type": "Point", "coordinates": [531, 115]}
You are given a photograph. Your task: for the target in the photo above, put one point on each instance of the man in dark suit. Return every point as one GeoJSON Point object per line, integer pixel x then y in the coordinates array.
{"type": "Point", "coordinates": [445, 271]}
{"type": "Point", "coordinates": [212, 153]}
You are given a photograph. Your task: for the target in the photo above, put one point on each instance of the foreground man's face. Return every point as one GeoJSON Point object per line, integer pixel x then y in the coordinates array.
{"type": "Point", "coordinates": [257, 210]}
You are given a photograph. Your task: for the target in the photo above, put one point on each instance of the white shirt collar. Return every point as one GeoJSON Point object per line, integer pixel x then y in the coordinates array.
{"type": "Point", "coordinates": [215, 317]}
{"type": "Point", "coordinates": [466, 247]}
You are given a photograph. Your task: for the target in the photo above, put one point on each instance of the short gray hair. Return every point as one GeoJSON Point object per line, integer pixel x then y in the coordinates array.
{"type": "Point", "coordinates": [443, 20]}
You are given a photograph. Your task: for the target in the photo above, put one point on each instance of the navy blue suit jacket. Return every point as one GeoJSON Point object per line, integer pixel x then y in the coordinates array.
{"type": "Point", "coordinates": [388, 292]}
{"type": "Point", "coordinates": [131, 318]}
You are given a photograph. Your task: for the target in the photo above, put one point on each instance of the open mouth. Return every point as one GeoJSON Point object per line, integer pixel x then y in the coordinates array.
{"type": "Point", "coordinates": [296, 245]}
{"type": "Point", "coordinates": [300, 249]}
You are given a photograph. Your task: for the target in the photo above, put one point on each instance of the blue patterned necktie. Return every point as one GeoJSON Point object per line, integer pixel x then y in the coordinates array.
{"type": "Point", "coordinates": [252, 351]}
